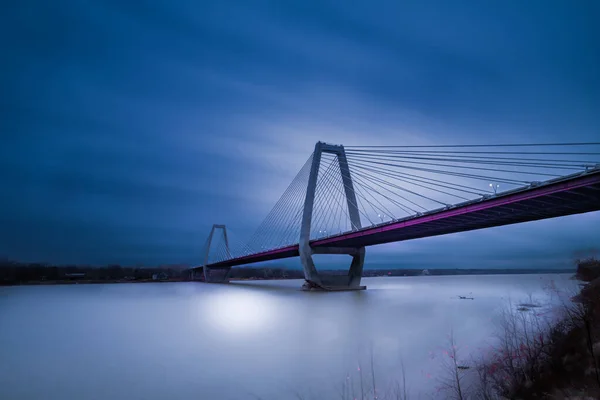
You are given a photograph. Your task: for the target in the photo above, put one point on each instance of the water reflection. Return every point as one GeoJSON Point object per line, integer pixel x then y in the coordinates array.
{"type": "Point", "coordinates": [186, 340]}
{"type": "Point", "coordinates": [238, 310]}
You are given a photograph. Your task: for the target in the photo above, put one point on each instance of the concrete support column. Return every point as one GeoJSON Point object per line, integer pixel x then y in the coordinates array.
{"type": "Point", "coordinates": [310, 272]}
{"type": "Point", "coordinates": [313, 278]}
{"type": "Point", "coordinates": [220, 275]}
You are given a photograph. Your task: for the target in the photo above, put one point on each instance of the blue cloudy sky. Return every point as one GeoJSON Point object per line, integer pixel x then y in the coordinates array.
{"type": "Point", "coordinates": [129, 127]}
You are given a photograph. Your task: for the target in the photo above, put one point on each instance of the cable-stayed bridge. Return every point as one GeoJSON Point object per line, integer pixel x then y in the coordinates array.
{"type": "Point", "coordinates": [347, 198]}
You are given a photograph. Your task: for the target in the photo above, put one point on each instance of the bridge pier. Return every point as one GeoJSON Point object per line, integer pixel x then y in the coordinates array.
{"type": "Point", "coordinates": [315, 280]}
{"type": "Point", "coordinates": [216, 275]}
{"type": "Point", "coordinates": [319, 281]}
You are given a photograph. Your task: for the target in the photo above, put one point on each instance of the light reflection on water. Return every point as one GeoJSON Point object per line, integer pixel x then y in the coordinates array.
{"type": "Point", "coordinates": [269, 339]}
{"type": "Point", "coordinates": [238, 311]}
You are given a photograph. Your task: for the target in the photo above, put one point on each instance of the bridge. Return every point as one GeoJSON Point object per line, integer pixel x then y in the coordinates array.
{"type": "Point", "coordinates": [345, 199]}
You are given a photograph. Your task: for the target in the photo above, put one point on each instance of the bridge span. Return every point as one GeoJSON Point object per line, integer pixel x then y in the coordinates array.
{"type": "Point", "coordinates": [569, 194]}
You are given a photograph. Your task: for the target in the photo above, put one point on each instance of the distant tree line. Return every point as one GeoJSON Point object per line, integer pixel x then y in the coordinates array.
{"type": "Point", "coordinates": [15, 273]}
{"type": "Point", "coordinates": [588, 269]}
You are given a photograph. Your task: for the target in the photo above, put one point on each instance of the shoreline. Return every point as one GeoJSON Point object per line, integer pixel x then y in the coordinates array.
{"type": "Point", "coordinates": [397, 274]}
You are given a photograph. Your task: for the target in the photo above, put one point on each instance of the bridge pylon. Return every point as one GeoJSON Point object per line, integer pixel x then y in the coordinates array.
{"type": "Point", "coordinates": [315, 280]}
{"type": "Point", "coordinates": [216, 275]}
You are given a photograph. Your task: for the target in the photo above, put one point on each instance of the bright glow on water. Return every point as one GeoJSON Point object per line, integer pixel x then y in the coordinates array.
{"type": "Point", "coordinates": [238, 311]}
{"type": "Point", "coordinates": [268, 339]}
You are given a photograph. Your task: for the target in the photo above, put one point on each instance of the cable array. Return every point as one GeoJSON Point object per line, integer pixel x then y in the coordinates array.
{"type": "Point", "coordinates": [281, 227]}
{"type": "Point", "coordinates": [330, 209]}
{"type": "Point", "coordinates": [407, 180]}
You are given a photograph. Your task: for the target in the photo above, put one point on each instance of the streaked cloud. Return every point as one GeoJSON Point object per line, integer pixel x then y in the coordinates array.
{"type": "Point", "coordinates": [128, 128]}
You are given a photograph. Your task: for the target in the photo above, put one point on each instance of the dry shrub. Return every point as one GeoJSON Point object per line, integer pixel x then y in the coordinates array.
{"type": "Point", "coordinates": [538, 353]}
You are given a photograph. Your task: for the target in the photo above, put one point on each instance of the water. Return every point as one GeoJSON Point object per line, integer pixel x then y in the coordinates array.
{"type": "Point", "coordinates": [248, 340]}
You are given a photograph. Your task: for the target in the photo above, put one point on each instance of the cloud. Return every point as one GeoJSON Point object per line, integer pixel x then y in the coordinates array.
{"type": "Point", "coordinates": [136, 126]}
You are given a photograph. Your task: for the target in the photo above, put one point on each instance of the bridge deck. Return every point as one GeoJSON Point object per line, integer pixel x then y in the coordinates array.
{"type": "Point", "coordinates": [569, 195]}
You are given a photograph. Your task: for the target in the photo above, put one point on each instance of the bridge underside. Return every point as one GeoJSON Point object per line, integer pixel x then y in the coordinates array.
{"type": "Point", "coordinates": [565, 197]}
{"type": "Point", "coordinates": [576, 201]}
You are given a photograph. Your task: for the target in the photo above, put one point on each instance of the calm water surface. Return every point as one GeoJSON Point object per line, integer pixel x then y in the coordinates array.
{"type": "Point", "coordinates": [239, 341]}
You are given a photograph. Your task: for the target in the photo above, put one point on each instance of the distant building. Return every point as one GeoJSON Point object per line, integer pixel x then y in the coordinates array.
{"type": "Point", "coordinates": [160, 277]}
{"type": "Point", "coordinates": [425, 272]}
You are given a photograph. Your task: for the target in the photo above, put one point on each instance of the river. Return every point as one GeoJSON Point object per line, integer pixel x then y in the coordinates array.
{"type": "Point", "coordinates": [246, 340]}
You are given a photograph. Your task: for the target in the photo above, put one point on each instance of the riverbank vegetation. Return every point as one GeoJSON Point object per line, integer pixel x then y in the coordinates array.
{"type": "Point", "coordinates": [17, 273]}
{"type": "Point", "coordinates": [537, 354]}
